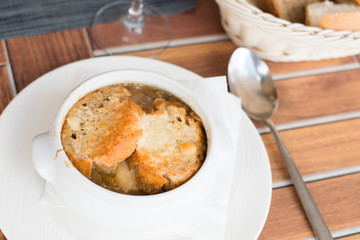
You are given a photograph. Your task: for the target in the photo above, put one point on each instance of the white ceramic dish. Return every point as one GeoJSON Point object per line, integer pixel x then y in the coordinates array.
{"type": "Point", "coordinates": [32, 112]}
{"type": "Point", "coordinates": [120, 211]}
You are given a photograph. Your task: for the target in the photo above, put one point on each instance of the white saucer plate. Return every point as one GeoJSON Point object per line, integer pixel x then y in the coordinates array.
{"type": "Point", "coordinates": [35, 107]}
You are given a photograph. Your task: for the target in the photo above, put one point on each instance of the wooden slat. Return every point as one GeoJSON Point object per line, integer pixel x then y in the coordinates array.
{"type": "Point", "coordinates": [5, 92]}
{"type": "Point", "coordinates": [337, 199]}
{"type": "Point", "coordinates": [357, 58]}
{"type": "Point", "coordinates": [300, 98]}
{"type": "Point", "coordinates": [317, 96]}
{"type": "Point", "coordinates": [200, 22]}
{"type": "Point", "coordinates": [34, 56]}
{"type": "Point", "coordinates": [2, 237]}
{"type": "Point", "coordinates": [280, 67]}
{"type": "Point", "coordinates": [352, 237]}
{"type": "Point", "coordinates": [211, 58]}
{"type": "Point", "coordinates": [203, 21]}
{"type": "Point", "coordinates": [2, 53]}
{"type": "Point", "coordinates": [317, 149]}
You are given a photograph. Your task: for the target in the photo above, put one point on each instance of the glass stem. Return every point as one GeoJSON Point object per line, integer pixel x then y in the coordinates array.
{"type": "Point", "coordinates": [136, 8]}
{"type": "Point", "coordinates": [134, 20]}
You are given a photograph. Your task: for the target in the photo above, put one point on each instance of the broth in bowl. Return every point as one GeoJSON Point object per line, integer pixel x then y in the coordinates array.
{"type": "Point", "coordinates": [134, 139]}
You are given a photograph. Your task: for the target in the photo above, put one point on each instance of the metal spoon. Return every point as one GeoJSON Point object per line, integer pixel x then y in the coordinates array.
{"type": "Point", "coordinates": [250, 79]}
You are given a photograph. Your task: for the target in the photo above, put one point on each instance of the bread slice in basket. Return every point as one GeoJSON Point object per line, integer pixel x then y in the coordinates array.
{"type": "Point", "coordinates": [265, 5]}
{"type": "Point", "coordinates": [336, 16]}
{"type": "Point", "coordinates": [292, 10]}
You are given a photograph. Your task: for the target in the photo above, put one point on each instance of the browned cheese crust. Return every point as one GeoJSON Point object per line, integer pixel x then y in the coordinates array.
{"type": "Point", "coordinates": [172, 148]}
{"type": "Point", "coordinates": [163, 147]}
{"type": "Point", "coordinates": [102, 128]}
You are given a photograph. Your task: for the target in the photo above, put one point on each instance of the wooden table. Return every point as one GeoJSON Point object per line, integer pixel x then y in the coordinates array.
{"type": "Point", "coordinates": [318, 115]}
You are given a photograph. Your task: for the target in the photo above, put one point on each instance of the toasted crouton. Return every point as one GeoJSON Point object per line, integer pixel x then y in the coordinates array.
{"type": "Point", "coordinates": [101, 130]}
{"type": "Point", "coordinates": [171, 150]}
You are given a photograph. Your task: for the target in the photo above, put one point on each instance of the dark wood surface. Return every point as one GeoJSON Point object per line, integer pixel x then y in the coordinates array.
{"type": "Point", "coordinates": [3, 59]}
{"type": "Point", "coordinates": [5, 90]}
{"type": "Point", "coordinates": [287, 219]}
{"type": "Point", "coordinates": [278, 67]}
{"type": "Point", "coordinates": [34, 56]}
{"type": "Point", "coordinates": [310, 148]}
{"type": "Point", "coordinates": [327, 150]}
{"type": "Point", "coordinates": [317, 95]}
{"type": "Point", "coordinates": [202, 22]}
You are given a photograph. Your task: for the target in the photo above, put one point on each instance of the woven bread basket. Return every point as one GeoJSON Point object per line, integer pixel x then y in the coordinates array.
{"type": "Point", "coordinates": [279, 40]}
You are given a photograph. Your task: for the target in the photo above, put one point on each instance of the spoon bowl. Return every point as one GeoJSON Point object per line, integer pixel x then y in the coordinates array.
{"type": "Point", "coordinates": [250, 78]}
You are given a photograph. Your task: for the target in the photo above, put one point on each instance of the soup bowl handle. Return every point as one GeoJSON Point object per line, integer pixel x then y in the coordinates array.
{"type": "Point", "coordinates": [43, 156]}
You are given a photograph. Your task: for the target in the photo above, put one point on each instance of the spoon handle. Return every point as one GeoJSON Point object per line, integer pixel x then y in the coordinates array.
{"type": "Point", "coordinates": [317, 222]}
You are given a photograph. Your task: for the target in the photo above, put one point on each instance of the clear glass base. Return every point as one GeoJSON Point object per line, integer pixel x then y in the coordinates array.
{"type": "Point", "coordinates": [114, 30]}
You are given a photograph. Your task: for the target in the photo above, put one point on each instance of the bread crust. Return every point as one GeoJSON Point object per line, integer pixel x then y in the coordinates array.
{"type": "Point", "coordinates": [171, 150]}
{"type": "Point", "coordinates": [102, 132]}
{"type": "Point", "coordinates": [344, 21]}
{"type": "Point", "coordinates": [342, 15]}
{"type": "Point", "coordinates": [113, 142]}
{"type": "Point", "coordinates": [83, 165]}
{"type": "Point", "coordinates": [264, 5]}
{"type": "Point", "coordinates": [125, 130]}
{"type": "Point", "coordinates": [292, 10]}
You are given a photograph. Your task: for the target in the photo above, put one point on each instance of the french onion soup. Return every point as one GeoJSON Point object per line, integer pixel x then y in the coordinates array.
{"type": "Point", "coordinates": [134, 139]}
